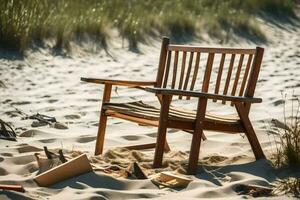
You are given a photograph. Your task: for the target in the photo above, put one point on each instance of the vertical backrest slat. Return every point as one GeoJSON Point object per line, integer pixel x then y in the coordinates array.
{"type": "Point", "coordinates": [196, 69]}
{"type": "Point", "coordinates": [228, 76]}
{"type": "Point", "coordinates": [245, 75]}
{"type": "Point", "coordinates": [162, 61]}
{"type": "Point", "coordinates": [220, 71]}
{"type": "Point", "coordinates": [175, 69]}
{"type": "Point", "coordinates": [188, 71]}
{"type": "Point", "coordinates": [237, 75]}
{"type": "Point", "coordinates": [253, 75]}
{"type": "Point", "coordinates": [167, 69]}
{"type": "Point", "coordinates": [254, 72]}
{"type": "Point", "coordinates": [208, 69]}
{"type": "Point", "coordinates": [182, 70]}
{"type": "Point", "coordinates": [234, 70]}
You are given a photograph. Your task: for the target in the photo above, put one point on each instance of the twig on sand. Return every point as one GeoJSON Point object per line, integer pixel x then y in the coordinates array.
{"type": "Point", "coordinates": [18, 188]}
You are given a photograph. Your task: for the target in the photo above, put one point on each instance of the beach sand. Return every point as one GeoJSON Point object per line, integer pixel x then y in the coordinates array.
{"type": "Point", "coordinates": [51, 85]}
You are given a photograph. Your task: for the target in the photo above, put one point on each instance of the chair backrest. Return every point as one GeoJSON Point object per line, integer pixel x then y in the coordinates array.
{"type": "Point", "coordinates": [226, 71]}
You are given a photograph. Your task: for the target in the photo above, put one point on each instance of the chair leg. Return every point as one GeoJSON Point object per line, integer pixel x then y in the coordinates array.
{"type": "Point", "coordinates": [162, 130]}
{"type": "Point", "coordinates": [102, 121]}
{"type": "Point", "coordinates": [250, 133]}
{"type": "Point", "coordinates": [101, 134]}
{"type": "Point", "coordinates": [197, 135]}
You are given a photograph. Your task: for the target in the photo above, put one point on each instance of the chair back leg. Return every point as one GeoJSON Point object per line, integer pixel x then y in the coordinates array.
{"type": "Point", "coordinates": [197, 135]}
{"type": "Point", "coordinates": [250, 133]}
{"type": "Point", "coordinates": [102, 121]}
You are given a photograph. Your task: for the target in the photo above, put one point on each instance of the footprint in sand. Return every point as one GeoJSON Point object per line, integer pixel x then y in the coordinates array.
{"type": "Point", "coordinates": [7, 154]}
{"type": "Point", "coordinates": [27, 148]}
{"type": "Point", "coordinates": [74, 116]}
{"type": "Point", "coordinates": [131, 137]}
{"type": "Point", "coordinates": [152, 134]}
{"type": "Point", "coordinates": [47, 140]}
{"type": "Point", "coordinates": [3, 172]}
{"type": "Point", "coordinates": [86, 139]}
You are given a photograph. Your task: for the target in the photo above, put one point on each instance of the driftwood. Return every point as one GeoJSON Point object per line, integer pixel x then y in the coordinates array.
{"type": "Point", "coordinates": [171, 180]}
{"type": "Point", "coordinates": [69, 169]}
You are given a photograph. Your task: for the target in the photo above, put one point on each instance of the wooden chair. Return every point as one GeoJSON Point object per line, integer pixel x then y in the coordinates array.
{"type": "Point", "coordinates": [224, 78]}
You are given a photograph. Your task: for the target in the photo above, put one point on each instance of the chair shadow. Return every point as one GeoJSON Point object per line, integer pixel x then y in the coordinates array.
{"type": "Point", "coordinates": [260, 168]}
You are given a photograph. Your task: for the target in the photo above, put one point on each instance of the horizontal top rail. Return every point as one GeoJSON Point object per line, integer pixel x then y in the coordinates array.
{"type": "Point", "coordinates": [173, 47]}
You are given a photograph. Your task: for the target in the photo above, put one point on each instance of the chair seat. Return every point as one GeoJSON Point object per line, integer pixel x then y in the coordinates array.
{"type": "Point", "coordinates": [149, 115]}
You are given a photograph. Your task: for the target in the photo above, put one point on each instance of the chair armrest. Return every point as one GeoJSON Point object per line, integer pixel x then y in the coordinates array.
{"type": "Point", "coordinates": [164, 91]}
{"type": "Point", "coordinates": [118, 82]}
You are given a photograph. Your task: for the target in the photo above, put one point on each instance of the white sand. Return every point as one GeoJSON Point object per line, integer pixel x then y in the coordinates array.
{"type": "Point", "coordinates": [51, 85]}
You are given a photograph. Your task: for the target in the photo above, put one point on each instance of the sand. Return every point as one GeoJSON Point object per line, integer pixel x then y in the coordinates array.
{"type": "Point", "coordinates": [51, 85]}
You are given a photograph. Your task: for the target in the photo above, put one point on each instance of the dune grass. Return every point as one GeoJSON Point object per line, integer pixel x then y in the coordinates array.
{"type": "Point", "coordinates": [26, 22]}
{"type": "Point", "coordinates": [288, 150]}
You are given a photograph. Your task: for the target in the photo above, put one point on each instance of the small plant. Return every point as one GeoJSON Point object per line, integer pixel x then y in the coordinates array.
{"type": "Point", "coordinates": [287, 186]}
{"type": "Point", "coordinates": [288, 149]}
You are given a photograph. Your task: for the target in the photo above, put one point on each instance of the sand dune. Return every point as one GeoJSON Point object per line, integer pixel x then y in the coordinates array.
{"type": "Point", "coordinates": [51, 85]}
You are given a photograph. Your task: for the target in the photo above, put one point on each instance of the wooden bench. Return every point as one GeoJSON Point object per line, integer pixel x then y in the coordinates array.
{"type": "Point", "coordinates": [217, 74]}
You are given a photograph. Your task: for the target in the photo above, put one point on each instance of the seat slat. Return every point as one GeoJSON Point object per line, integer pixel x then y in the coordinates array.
{"type": "Point", "coordinates": [228, 76]}
{"type": "Point", "coordinates": [145, 111]}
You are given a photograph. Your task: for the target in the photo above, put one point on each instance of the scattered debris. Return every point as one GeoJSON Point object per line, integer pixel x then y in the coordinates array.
{"type": "Point", "coordinates": [254, 190]}
{"type": "Point", "coordinates": [69, 169]}
{"type": "Point", "coordinates": [42, 120]}
{"type": "Point", "coordinates": [38, 124]}
{"type": "Point", "coordinates": [18, 188]}
{"type": "Point", "coordinates": [138, 172]}
{"type": "Point", "coordinates": [7, 132]}
{"type": "Point", "coordinates": [51, 160]}
{"type": "Point", "coordinates": [59, 125]}
{"type": "Point", "coordinates": [168, 179]}
{"type": "Point", "coordinates": [45, 164]}
{"type": "Point", "coordinates": [61, 156]}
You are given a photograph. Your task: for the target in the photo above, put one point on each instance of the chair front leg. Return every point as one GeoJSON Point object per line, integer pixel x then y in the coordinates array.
{"type": "Point", "coordinates": [102, 120]}
{"type": "Point", "coordinates": [250, 133]}
{"type": "Point", "coordinates": [197, 135]}
{"type": "Point", "coordinates": [162, 130]}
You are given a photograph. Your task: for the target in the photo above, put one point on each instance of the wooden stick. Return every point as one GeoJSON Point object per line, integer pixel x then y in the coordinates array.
{"type": "Point", "coordinates": [18, 188]}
